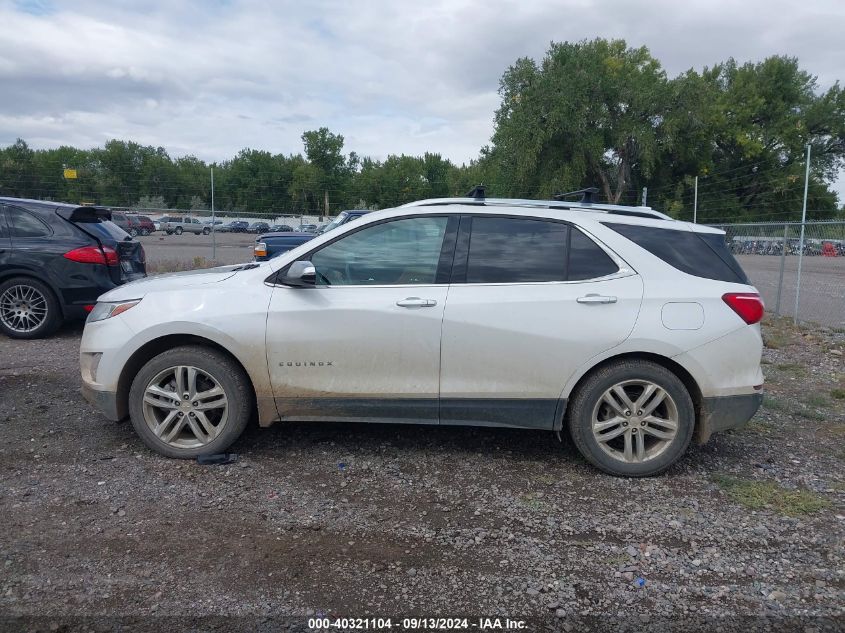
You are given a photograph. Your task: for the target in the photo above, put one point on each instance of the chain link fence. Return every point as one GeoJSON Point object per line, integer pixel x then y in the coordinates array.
{"type": "Point", "coordinates": [770, 254]}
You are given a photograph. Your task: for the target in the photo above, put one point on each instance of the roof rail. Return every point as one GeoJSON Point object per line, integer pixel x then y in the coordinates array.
{"type": "Point", "coordinates": [586, 195]}
{"type": "Point", "coordinates": [642, 212]}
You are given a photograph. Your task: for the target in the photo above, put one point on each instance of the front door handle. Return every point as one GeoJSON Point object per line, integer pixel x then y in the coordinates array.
{"type": "Point", "coordinates": [416, 302]}
{"type": "Point", "coordinates": [593, 298]}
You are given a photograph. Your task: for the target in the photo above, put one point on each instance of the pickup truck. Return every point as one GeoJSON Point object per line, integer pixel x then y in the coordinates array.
{"type": "Point", "coordinates": [180, 224]}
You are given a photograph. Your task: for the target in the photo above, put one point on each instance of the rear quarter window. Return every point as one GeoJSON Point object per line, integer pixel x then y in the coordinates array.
{"type": "Point", "coordinates": [703, 255]}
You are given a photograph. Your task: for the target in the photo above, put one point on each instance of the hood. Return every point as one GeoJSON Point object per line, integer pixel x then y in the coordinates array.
{"type": "Point", "coordinates": [173, 281]}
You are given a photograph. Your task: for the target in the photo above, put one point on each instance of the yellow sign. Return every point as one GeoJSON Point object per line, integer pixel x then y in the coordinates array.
{"type": "Point", "coordinates": [70, 174]}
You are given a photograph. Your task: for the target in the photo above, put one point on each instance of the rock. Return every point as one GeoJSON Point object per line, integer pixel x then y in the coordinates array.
{"type": "Point", "coordinates": [632, 551]}
{"type": "Point", "coordinates": [696, 562]}
{"type": "Point", "coordinates": [560, 613]}
{"type": "Point", "coordinates": [778, 595]}
{"type": "Point", "coordinates": [411, 572]}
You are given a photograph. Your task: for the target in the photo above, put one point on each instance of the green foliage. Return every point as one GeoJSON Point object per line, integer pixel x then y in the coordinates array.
{"type": "Point", "coordinates": [757, 495]}
{"type": "Point", "coordinates": [591, 113]}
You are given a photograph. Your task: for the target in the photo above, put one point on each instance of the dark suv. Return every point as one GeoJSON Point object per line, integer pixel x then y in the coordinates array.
{"type": "Point", "coordinates": [55, 260]}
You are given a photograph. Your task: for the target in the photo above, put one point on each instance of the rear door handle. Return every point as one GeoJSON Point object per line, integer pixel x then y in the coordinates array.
{"type": "Point", "coordinates": [593, 298]}
{"type": "Point", "coordinates": [416, 302]}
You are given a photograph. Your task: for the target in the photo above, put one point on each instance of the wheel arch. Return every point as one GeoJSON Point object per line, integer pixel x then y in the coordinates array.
{"type": "Point", "coordinates": [9, 273]}
{"type": "Point", "coordinates": [676, 368]}
{"type": "Point", "coordinates": [156, 346]}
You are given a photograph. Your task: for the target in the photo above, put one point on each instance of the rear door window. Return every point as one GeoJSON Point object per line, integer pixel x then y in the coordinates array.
{"type": "Point", "coordinates": [25, 224]}
{"type": "Point", "coordinates": [701, 254]}
{"type": "Point", "coordinates": [527, 250]}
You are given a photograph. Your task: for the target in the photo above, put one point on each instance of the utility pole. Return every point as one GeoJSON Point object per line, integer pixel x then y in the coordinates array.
{"type": "Point", "coordinates": [801, 240]}
{"type": "Point", "coordinates": [695, 203]}
{"type": "Point", "coordinates": [645, 195]}
{"type": "Point", "coordinates": [213, 226]}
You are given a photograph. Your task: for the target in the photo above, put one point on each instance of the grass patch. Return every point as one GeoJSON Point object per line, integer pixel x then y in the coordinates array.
{"type": "Point", "coordinates": [773, 404]}
{"type": "Point", "coordinates": [793, 368]}
{"type": "Point", "coordinates": [547, 479]}
{"type": "Point", "coordinates": [532, 502]}
{"type": "Point", "coordinates": [816, 400]}
{"type": "Point", "coordinates": [776, 340]}
{"type": "Point", "coordinates": [175, 265]}
{"type": "Point", "coordinates": [809, 414]}
{"type": "Point", "coordinates": [757, 495]}
{"type": "Point", "coordinates": [838, 394]}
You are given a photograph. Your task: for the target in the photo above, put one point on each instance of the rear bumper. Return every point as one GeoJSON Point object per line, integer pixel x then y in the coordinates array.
{"type": "Point", "coordinates": [726, 412]}
{"type": "Point", "coordinates": [105, 401]}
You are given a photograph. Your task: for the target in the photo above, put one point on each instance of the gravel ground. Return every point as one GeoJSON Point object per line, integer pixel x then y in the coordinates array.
{"type": "Point", "coordinates": [388, 520]}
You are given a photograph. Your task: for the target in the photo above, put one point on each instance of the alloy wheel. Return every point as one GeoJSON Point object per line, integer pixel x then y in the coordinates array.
{"type": "Point", "coordinates": [635, 421]}
{"type": "Point", "coordinates": [185, 406]}
{"type": "Point", "coordinates": [23, 308]}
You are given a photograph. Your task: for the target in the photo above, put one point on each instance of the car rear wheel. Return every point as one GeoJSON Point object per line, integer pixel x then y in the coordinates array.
{"type": "Point", "coordinates": [178, 230]}
{"type": "Point", "coordinates": [633, 418]}
{"type": "Point", "coordinates": [144, 232]}
{"type": "Point", "coordinates": [206, 231]}
{"type": "Point", "coordinates": [28, 308]}
{"type": "Point", "coordinates": [133, 232]}
{"type": "Point", "coordinates": [190, 401]}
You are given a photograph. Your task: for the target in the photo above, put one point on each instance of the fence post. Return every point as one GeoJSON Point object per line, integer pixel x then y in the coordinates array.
{"type": "Point", "coordinates": [801, 240]}
{"type": "Point", "coordinates": [782, 264]}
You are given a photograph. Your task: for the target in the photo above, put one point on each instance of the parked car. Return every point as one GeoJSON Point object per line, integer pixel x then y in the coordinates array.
{"type": "Point", "coordinates": [122, 220]}
{"type": "Point", "coordinates": [342, 218]}
{"type": "Point", "coordinates": [140, 225]}
{"type": "Point", "coordinates": [274, 244]}
{"type": "Point", "coordinates": [238, 226]}
{"type": "Point", "coordinates": [258, 227]}
{"type": "Point", "coordinates": [181, 224]}
{"type": "Point", "coordinates": [306, 228]}
{"type": "Point", "coordinates": [632, 331]}
{"type": "Point", "coordinates": [281, 228]}
{"type": "Point", "coordinates": [55, 260]}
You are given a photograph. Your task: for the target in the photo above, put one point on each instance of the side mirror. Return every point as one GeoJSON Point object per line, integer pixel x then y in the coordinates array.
{"type": "Point", "coordinates": [300, 275]}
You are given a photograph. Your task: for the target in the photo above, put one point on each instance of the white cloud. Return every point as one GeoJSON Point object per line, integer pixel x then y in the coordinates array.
{"type": "Point", "coordinates": [212, 77]}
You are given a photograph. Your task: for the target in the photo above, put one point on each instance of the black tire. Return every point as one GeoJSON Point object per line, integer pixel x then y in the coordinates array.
{"type": "Point", "coordinates": [178, 230]}
{"type": "Point", "coordinates": [51, 320]}
{"type": "Point", "coordinates": [206, 231]}
{"type": "Point", "coordinates": [229, 375]}
{"type": "Point", "coordinates": [144, 232]}
{"type": "Point", "coordinates": [133, 232]}
{"type": "Point", "coordinates": [588, 396]}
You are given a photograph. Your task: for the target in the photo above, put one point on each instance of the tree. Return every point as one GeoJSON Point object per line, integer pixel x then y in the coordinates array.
{"type": "Point", "coordinates": [592, 113]}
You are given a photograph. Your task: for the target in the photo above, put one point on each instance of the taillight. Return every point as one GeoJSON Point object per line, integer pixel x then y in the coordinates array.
{"type": "Point", "coordinates": [260, 249]}
{"type": "Point", "coordinates": [93, 255]}
{"type": "Point", "coordinates": [748, 305]}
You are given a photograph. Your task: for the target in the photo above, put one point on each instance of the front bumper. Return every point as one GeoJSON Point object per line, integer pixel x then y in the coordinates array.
{"type": "Point", "coordinates": [105, 401]}
{"type": "Point", "coordinates": [726, 412]}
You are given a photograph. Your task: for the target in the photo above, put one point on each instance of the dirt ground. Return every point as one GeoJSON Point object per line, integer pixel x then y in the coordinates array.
{"type": "Point", "coordinates": [396, 521]}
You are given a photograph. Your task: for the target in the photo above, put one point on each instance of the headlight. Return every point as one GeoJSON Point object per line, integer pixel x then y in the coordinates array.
{"type": "Point", "coordinates": [106, 310]}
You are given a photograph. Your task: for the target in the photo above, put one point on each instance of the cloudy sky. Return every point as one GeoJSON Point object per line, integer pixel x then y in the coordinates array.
{"type": "Point", "coordinates": [208, 77]}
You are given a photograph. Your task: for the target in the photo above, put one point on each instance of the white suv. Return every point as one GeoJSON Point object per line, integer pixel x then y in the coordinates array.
{"type": "Point", "coordinates": [633, 331]}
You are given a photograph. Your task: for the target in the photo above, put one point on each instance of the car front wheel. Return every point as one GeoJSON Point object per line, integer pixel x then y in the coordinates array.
{"type": "Point", "coordinates": [190, 401]}
{"type": "Point", "coordinates": [633, 418]}
{"type": "Point", "coordinates": [206, 231]}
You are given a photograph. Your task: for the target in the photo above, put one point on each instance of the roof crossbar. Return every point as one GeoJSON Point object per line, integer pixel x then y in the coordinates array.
{"type": "Point", "coordinates": [587, 195]}
{"type": "Point", "coordinates": [478, 192]}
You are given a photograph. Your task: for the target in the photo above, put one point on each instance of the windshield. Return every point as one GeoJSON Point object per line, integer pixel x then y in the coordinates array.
{"type": "Point", "coordinates": [335, 223]}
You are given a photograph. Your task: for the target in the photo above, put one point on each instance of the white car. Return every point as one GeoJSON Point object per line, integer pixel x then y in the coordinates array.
{"type": "Point", "coordinates": [632, 331]}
